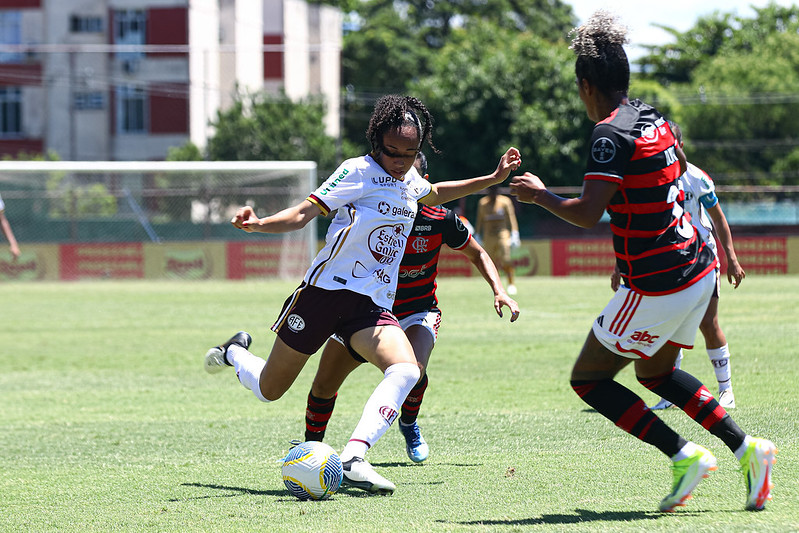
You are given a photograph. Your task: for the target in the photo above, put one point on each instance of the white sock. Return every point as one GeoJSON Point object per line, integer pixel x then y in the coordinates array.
{"type": "Point", "coordinates": [739, 453]}
{"type": "Point", "coordinates": [685, 452]}
{"type": "Point", "coordinates": [720, 358]}
{"type": "Point", "coordinates": [381, 408]}
{"type": "Point", "coordinates": [248, 369]}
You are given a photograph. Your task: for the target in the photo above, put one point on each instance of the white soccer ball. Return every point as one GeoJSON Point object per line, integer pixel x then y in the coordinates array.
{"type": "Point", "coordinates": [312, 471]}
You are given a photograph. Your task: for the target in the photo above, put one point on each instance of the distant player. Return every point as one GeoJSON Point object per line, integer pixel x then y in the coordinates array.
{"type": "Point", "coordinates": [416, 307]}
{"type": "Point", "coordinates": [703, 205]}
{"type": "Point", "coordinates": [499, 231]}
{"type": "Point", "coordinates": [633, 170]}
{"type": "Point", "coordinates": [13, 247]}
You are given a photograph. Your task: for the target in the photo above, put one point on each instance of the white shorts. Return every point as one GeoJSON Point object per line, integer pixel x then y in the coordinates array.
{"type": "Point", "coordinates": [429, 320]}
{"type": "Point", "coordinates": [637, 326]}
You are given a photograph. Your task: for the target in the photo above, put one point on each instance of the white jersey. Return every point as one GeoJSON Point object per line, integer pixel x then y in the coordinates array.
{"type": "Point", "coordinates": [700, 195]}
{"type": "Point", "coordinates": [2, 205]}
{"type": "Point", "coordinates": [366, 240]}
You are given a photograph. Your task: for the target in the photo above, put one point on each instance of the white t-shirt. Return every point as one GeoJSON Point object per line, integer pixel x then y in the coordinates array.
{"type": "Point", "coordinates": [366, 240]}
{"type": "Point", "coordinates": [2, 205]}
{"type": "Point", "coordinates": [700, 195]}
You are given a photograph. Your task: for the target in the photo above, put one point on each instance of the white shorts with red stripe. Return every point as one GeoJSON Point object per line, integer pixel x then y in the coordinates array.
{"type": "Point", "coordinates": [637, 326]}
{"type": "Point", "coordinates": [429, 320]}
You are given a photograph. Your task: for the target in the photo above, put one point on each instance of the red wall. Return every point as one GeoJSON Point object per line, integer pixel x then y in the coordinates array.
{"type": "Point", "coordinates": [169, 108]}
{"type": "Point", "coordinates": [168, 26]}
{"type": "Point", "coordinates": [273, 61]}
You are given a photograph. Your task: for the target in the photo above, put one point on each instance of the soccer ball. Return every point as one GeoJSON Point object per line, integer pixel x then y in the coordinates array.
{"type": "Point", "coordinates": [312, 471]}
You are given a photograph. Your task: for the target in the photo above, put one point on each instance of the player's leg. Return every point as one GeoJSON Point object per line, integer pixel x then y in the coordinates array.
{"type": "Point", "coordinates": [422, 340]}
{"type": "Point", "coordinates": [664, 403]}
{"type": "Point", "coordinates": [386, 347]}
{"type": "Point", "coordinates": [335, 364]}
{"type": "Point", "coordinates": [718, 352]}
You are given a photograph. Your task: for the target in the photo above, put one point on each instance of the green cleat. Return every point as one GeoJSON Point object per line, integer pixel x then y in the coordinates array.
{"type": "Point", "coordinates": [687, 475]}
{"type": "Point", "coordinates": [756, 466]}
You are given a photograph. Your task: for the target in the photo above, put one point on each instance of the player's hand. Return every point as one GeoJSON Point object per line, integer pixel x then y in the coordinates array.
{"type": "Point", "coordinates": [527, 187]}
{"type": "Point", "coordinates": [510, 161]}
{"type": "Point", "coordinates": [503, 300]}
{"type": "Point", "coordinates": [245, 219]}
{"type": "Point", "coordinates": [615, 279]}
{"type": "Point", "coordinates": [735, 273]}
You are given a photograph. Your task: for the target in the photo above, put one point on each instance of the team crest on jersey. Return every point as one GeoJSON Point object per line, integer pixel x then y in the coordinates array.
{"type": "Point", "coordinates": [649, 133]}
{"type": "Point", "coordinates": [420, 245]}
{"type": "Point", "coordinates": [295, 323]}
{"type": "Point", "coordinates": [603, 150]}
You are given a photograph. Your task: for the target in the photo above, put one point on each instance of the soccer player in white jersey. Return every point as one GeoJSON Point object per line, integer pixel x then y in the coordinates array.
{"type": "Point", "coordinates": [706, 215]}
{"type": "Point", "coordinates": [13, 247]}
{"type": "Point", "coordinates": [350, 287]}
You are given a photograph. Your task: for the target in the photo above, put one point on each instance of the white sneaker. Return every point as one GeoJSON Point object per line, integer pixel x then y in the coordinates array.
{"type": "Point", "coordinates": [662, 404]}
{"type": "Point", "coordinates": [360, 474]}
{"type": "Point", "coordinates": [727, 399]}
{"type": "Point", "coordinates": [512, 289]}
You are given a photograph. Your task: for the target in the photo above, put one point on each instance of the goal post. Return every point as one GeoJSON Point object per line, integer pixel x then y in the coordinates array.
{"type": "Point", "coordinates": [176, 212]}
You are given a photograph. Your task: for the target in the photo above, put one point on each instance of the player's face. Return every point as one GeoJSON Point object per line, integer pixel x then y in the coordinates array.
{"type": "Point", "coordinates": [398, 151]}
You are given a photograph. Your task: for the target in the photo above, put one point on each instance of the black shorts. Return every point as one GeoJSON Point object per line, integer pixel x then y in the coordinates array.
{"type": "Point", "coordinates": [311, 315]}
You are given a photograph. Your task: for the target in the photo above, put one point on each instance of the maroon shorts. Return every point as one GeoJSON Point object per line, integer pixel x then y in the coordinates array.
{"type": "Point", "coordinates": [311, 315]}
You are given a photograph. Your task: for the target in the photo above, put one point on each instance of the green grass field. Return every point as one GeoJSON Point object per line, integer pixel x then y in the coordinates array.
{"type": "Point", "coordinates": [109, 422]}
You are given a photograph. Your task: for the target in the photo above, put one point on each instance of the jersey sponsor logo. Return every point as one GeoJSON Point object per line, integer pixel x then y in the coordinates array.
{"type": "Point", "coordinates": [644, 337]}
{"type": "Point", "coordinates": [383, 208]}
{"type": "Point", "coordinates": [332, 183]}
{"type": "Point", "coordinates": [603, 150]}
{"type": "Point", "coordinates": [339, 280]}
{"type": "Point", "coordinates": [387, 243]}
{"type": "Point", "coordinates": [360, 271]}
{"type": "Point", "coordinates": [295, 323]}
{"type": "Point", "coordinates": [423, 228]}
{"type": "Point", "coordinates": [412, 272]}
{"type": "Point", "coordinates": [388, 413]}
{"type": "Point", "coordinates": [385, 181]}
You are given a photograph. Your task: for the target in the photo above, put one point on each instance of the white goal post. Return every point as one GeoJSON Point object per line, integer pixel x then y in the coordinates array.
{"type": "Point", "coordinates": [172, 205]}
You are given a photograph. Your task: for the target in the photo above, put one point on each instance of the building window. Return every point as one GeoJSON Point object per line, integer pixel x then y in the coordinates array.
{"type": "Point", "coordinates": [129, 29]}
{"type": "Point", "coordinates": [11, 33]}
{"type": "Point", "coordinates": [10, 111]}
{"type": "Point", "coordinates": [89, 100]}
{"type": "Point", "coordinates": [131, 110]}
{"type": "Point", "coordinates": [85, 24]}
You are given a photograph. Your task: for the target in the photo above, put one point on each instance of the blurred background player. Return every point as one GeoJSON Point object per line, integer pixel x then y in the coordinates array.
{"type": "Point", "coordinates": [416, 307]}
{"type": "Point", "coordinates": [6, 227]}
{"type": "Point", "coordinates": [499, 231]}
{"type": "Point", "coordinates": [708, 218]}
{"type": "Point", "coordinates": [632, 171]}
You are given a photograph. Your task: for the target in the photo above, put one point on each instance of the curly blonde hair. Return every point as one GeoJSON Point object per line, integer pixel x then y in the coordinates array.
{"type": "Point", "coordinates": [599, 46]}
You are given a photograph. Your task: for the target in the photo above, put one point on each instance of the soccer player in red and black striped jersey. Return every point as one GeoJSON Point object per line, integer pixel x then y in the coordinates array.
{"type": "Point", "coordinates": [416, 308]}
{"type": "Point", "coordinates": [633, 171]}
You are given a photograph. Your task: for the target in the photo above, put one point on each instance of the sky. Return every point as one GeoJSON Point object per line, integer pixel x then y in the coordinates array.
{"type": "Point", "coordinates": [679, 14]}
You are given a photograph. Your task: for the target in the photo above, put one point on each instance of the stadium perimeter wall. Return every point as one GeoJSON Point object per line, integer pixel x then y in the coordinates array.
{"type": "Point", "coordinates": [252, 259]}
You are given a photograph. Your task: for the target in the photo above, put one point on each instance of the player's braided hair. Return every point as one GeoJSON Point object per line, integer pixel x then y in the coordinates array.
{"type": "Point", "coordinates": [393, 111]}
{"type": "Point", "coordinates": [601, 59]}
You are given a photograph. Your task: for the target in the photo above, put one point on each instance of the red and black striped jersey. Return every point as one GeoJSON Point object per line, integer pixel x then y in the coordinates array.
{"type": "Point", "coordinates": [657, 248]}
{"type": "Point", "coordinates": [432, 228]}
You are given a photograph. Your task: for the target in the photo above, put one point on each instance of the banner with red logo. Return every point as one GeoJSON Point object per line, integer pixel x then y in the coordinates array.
{"type": "Point", "coordinates": [101, 260]}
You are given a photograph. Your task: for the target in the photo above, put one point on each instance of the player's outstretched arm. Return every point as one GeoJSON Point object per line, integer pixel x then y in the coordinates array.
{"type": "Point", "coordinates": [12, 241]}
{"type": "Point", "coordinates": [289, 219]}
{"type": "Point", "coordinates": [735, 272]}
{"type": "Point", "coordinates": [480, 259]}
{"type": "Point", "coordinates": [446, 191]}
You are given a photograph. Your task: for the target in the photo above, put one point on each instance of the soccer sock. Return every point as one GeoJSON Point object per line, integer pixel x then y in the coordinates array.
{"type": "Point", "coordinates": [624, 408]}
{"type": "Point", "coordinates": [688, 393]}
{"type": "Point", "coordinates": [317, 415]}
{"type": "Point", "coordinates": [248, 369]}
{"type": "Point", "coordinates": [720, 359]}
{"type": "Point", "coordinates": [411, 405]}
{"type": "Point", "coordinates": [381, 408]}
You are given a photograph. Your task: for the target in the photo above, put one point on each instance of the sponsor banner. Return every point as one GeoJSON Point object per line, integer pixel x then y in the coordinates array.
{"type": "Point", "coordinates": [759, 255]}
{"type": "Point", "coordinates": [120, 260]}
{"type": "Point", "coordinates": [266, 259]}
{"type": "Point", "coordinates": [579, 257]}
{"type": "Point", "coordinates": [36, 262]}
{"type": "Point", "coordinates": [453, 263]}
{"type": "Point", "coordinates": [187, 260]}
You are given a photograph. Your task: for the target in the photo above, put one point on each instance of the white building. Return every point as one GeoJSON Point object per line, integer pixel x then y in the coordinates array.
{"type": "Point", "coordinates": [127, 79]}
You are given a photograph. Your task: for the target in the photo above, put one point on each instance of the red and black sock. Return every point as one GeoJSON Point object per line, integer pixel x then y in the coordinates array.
{"type": "Point", "coordinates": [688, 393]}
{"type": "Point", "coordinates": [629, 412]}
{"type": "Point", "coordinates": [410, 408]}
{"type": "Point", "coordinates": [317, 415]}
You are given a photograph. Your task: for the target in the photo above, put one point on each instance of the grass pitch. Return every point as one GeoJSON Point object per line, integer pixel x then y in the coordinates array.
{"type": "Point", "coordinates": [109, 422]}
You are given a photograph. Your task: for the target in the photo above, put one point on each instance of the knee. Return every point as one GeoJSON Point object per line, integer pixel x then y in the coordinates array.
{"type": "Point", "coordinates": [409, 373]}
{"type": "Point", "coordinates": [320, 389]}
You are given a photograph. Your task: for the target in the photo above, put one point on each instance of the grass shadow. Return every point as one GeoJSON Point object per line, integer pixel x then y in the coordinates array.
{"type": "Point", "coordinates": [232, 491]}
{"type": "Point", "coordinates": [580, 516]}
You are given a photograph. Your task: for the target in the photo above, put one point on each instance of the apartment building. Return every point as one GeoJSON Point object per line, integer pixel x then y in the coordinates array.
{"type": "Point", "coordinates": [127, 79]}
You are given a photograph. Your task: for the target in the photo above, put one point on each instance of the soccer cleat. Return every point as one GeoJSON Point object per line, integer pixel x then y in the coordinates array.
{"type": "Point", "coordinates": [662, 404]}
{"type": "Point", "coordinates": [756, 465]}
{"type": "Point", "coordinates": [360, 474]}
{"type": "Point", "coordinates": [415, 445]}
{"type": "Point", "coordinates": [727, 399]}
{"type": "Point", "coordinates": [216, 357]}
{"type": "Point", "coordinates": [687, 475]}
